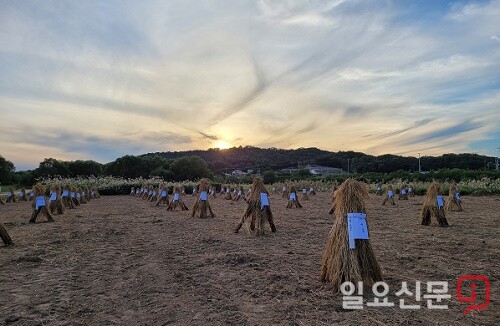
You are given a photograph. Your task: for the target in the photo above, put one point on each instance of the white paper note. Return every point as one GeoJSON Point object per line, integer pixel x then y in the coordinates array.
{"type": "Point", "coordinates": [357, 228]}
{"type": "Point", "coordinates": [292, 196]}
{"type": "Point", "coordinates": [264, 200]}
{"type": "Point", "coordinates": [176, 196]}
{"type": "Point", "coordinates": [40, 202]}
{"type": "Point", "coordinates": [440, 201]}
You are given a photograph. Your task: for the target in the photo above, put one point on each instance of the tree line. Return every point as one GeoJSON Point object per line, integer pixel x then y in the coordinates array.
{"type": "Point", "coordinates": [192, 165]}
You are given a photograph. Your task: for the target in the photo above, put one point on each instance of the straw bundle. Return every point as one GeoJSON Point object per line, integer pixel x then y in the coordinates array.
{"type": "Point", "coordinates": [403, 194]}
{"type": "Point", "coordinates": [154, 195]}
{"type": "Point", "coordinates": [1, 201]}
{"type": "Point", "coordinates": [65, 197]}
{"type": "Point", "coordinates": [5, 236]}
{"type": "Point", "coordinates": [22, 195]}
{"type": "Point", "coordinates": [454, 199]}
{"type": "Point", "coordinates": [334, 194]}
{"type": "Point", "coordinates": [95, 193]}
{"type": "Point", "coordinates": [40, 204]}
{"type": "Point", "coordinates": [202, 203]}
{"type": "Point", "coordinates": [379, 189]}
{"type": "Point", "coordinates": [11, 198]}
{"type": "Point", "coordinates": [312, 192]}
{"type": "Point", "coordinates": [177, 201]}
{"type": "Point", "coordinates": [239, 194]}
{"type": "Point", "coordinates": [284, 192]}
{"type": "Point", "coordinates": [163, 195]}
{"type": "Point", "coordinates": [389, 196]}
{"type": "Point", "coordinates": [411, 193]}
{"type": "Point", "coordinates": [74, 197]}
{"type": "Point", "coordinates": [257, 212]}
{"type": "Point", "coordinates": [433, 206]}
{"type": "Point", "coordinates": [81, 196]}
{"type": "Point", "coordinates": [228, 196]}
{"type": "Point", "coordinates": [32, 195]}
{"type": "Point", "coordinates": [304, 194]}
{"type": "Point", "coordinates": [55, 201]}
{"type": "Point", "coordinates": [293, 200]}
{"type": "Point", "coordinates": [340, 263]}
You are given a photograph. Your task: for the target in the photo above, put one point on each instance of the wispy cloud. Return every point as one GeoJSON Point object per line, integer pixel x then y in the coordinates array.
{"type": "Point", "coordinates": [100, 79]}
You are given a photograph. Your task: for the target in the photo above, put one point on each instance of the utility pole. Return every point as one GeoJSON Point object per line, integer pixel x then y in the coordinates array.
{"type": "Point", "coordinates": [419, 168]}
{"type": "Point", "coordinates": [348, 166]}
{"type": "Point", "coordinates": [497, 163]}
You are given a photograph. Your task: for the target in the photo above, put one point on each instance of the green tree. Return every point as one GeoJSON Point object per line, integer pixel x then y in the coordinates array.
{"type": "Point", "coordinates": [190, 168]}
{"type": "Point", "coordinates": [269, 177]}
{"type": "Point", "coordinates": [85, 168]}
{"type": "Point", "coordinates": [52, 167]}
{"type": "Point", "coordinates": [7, 169]}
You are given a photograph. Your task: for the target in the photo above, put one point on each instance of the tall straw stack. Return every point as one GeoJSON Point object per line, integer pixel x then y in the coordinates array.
{"type": "Point", "coordinates": [389, 196]}
{"type": "Point", "coordinates": [257, 212]}
{"type": "Point", "coordinates": [177, 201]}
{"type": "Point", "coordinates": [454, 199]}
{"type": "Point", "coordinates": [340, 263]}
{"type": "Point", "coordinates": [202, 203]}
{"type": "Point", "coordinates": [433, 206]}
{"type": "Point", "coordinates": [293, 199]}
{"type": "Point", "coordinates": [55, 201]}
{"type": "Point", "coordinates": [40, 204]}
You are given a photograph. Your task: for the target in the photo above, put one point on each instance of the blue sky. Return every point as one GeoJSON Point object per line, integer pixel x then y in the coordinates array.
{"type": "Point", "coordinates": [97, 80]}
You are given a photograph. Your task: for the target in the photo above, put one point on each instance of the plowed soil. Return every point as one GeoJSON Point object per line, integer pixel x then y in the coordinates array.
{"type": "Point", "coordinates": [118, 260]}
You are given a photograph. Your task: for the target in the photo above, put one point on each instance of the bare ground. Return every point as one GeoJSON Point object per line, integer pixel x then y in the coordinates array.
{"type": "Point", "coordinates": [117, 260]}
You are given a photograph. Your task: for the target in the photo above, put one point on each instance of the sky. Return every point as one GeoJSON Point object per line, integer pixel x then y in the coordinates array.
{"type": "Point", "coordinates": [102, 79]}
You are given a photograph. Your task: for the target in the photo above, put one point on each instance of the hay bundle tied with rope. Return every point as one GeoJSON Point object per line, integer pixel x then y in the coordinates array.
{"type": "Point", "coordinates": [454, 199]}
{"type": "Point", "coordinates": [293, 200]}
{"type": "Point", "coordinates": [258, 210]}
{"type": "Point", "coordinates": [433, 206]}
{"type": "Point", "coordinates": [379, 189]}
{"type": "Point", "coordinates": [177, 201]}
{"type": "Point", "coordinates": [304, 194]}
{"type": "Point", "coordinates": [348, 255]}
{"type": "Point", "coordinates": [11, 197]}
{"type": "Point", "coordinates": [55, 201]}
{"type": "Point", "coordinates": [201, 204]}
{"type": "Point", "coordinates": [403, 194]}
{"type": "Point", "coordinates": [389, 196]}
{"type": "Point", "coordinates": [66, 197]}
{"type": "Point", "coordinates": [163, 195]}
{"type": "Point", "coordinates": [40, 204]}
{"type": "Point", "coordinates": [284, 192]}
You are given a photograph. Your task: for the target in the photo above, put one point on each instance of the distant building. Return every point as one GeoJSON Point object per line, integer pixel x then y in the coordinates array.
{"type": "Point", "coordinates": [320, 170]}
{"type": "Point", "coordinates": [313, 169]}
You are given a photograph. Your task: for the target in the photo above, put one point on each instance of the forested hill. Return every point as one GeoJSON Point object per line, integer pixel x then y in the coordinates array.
{"type": "Point", "coordinates": [274, 159]}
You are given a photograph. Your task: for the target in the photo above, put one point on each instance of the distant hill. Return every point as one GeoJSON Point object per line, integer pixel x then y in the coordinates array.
{"type": "Point", "coordinates": [263, 159]}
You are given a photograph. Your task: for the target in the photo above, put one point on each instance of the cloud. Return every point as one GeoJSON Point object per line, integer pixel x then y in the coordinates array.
{"type": "Point", "coordinates": [341, 75]}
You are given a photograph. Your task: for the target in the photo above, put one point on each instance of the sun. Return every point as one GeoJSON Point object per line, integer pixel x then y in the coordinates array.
{"type": "Point", "coordinates": [222, 144]}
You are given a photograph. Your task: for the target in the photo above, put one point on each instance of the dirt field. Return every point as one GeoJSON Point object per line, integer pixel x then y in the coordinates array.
{"type": "Point", "coordinates": [117, 260]}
